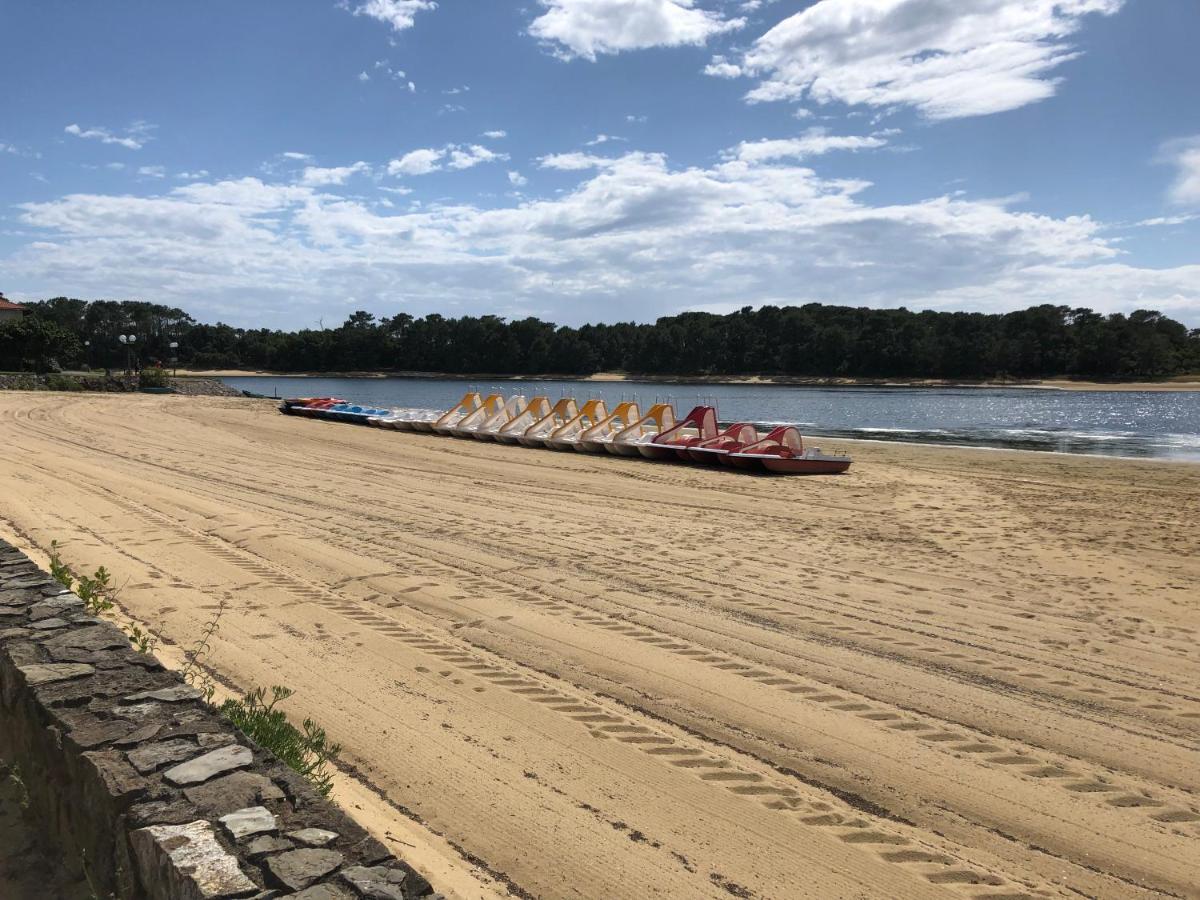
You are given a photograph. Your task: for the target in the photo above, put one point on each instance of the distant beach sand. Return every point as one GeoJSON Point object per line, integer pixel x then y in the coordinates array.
{"type": "Point", "coordinates": [950, 670]}
{"type": "Point", "coordinates": [1187, 383]}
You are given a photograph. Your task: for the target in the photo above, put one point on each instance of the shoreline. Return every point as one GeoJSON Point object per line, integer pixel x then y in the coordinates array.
{"type": "Point", "coordinates": [1185, 383]}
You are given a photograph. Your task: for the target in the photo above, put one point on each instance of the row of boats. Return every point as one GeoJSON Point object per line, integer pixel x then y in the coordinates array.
{"type": "Point", "coordinates": [625, 430]}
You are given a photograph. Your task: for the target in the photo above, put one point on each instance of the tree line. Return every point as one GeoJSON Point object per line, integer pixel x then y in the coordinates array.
{"type": "Point", "coordinates": [811, 340]}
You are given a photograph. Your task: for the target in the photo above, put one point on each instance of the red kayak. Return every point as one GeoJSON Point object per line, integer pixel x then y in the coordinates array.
{"type": "Point", "coordinates": [783, 452]}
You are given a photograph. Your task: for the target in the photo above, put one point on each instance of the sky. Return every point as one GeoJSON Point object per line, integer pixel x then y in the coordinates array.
{"type": "Point", "coordinates": [284, 163]}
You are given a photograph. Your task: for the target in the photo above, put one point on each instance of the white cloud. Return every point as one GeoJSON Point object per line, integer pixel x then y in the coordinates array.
{"type": "Point", "coordinates": [452, 156]}
{"type": "Point", "coordinates": [134, 138]}
{"type": "Point", "coordinates": [467, 157]}
{"type": "Point", "coordinates": [152, 171]}
{"type": "Point", "coordinates": [115, 166]}
{"type": "Point", "coordinates": [814, 142]}
{"type": "Point", "coordinates": [399, 14]}
{"type": "Point", "coordinates": [636, 120]}
{"type": "Point", "coordinates": [585, 28]}
{"type": "Point", "coordinates": [193, 176]}
{"type": "Point", "coordinates": [604, 139]}
{"type": "Point", "coordinates": [946, 58]}
{"type": "Point", "coordinates": [416, 162]}
{"type": "Point", "coordinates": [720, 67]}
{"type": "Point", "coordinates": [1184, 154]}
{"type": "Point", "coordinates": [363, 76]}
{"type": "Point", "coordinates": [634, 238]}
{"type": "Point", "coordinates": [574, 162]}
{"type": "Point", "coordinates": [1166, 220]}
{"type": "Point", "coordinates": [315, 175]}
{"type": "Point", "coordinates": [495, 135]}
{"type": "Point", "coordinates": [292, 154]}
{"type": "Point", "coordinates": [516, 179]}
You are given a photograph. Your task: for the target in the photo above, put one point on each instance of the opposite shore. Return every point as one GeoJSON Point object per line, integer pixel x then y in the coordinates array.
{"type": "Point", "coordinates": [1177, 383]}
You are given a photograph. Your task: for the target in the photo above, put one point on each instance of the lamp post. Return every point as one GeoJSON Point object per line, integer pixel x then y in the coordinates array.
{"type": "Point", "coordinates": [128, 340]}
{"type": "Point", "coordinates": [174, 345]}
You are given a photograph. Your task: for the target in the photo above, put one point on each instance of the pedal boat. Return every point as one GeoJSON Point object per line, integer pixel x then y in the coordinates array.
{"type": "Point", "coordinates": [567, 436]}
{"type": "Point", "coordinates": [658, 418]}
{"type": "Point", "coordinates": [715, 451]}
{"type": "Point", "coordinates": [698, 425]}
{"type": "Point", "coordinates": [465, 426]}
{"type": "Point", "coordinates": [560, 414]}
{"type": "Point", "coordinates": [782, 452]}
{"type": "Point", "coordinates": [594, 439]}
{"type": "Point", "coordinates": [487, 429]}
{"type": "Point", "coordinates": [470, 402]}
{"type": "Point", "coordinates": [534, 411]}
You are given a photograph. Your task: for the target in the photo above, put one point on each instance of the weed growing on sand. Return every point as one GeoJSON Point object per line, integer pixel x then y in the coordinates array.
{"type": "Point", "coordinates": [58, 569]}
{"type": "Point", "coordinates": [98, 596]}
{"type": "Point", "coordinates": [96, 592]}
{"type": "Point", "coordinates": [307, 751]}
{"type": "Point", "coordinates": [143, 641]}
{"type": "Point", "coordinates": [194, 672]}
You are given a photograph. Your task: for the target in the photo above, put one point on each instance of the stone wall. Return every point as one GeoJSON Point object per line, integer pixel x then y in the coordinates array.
{"type": "Point", "coordinates": [207, 387]}
{"type": "Point", "coordinates": [145, 789]}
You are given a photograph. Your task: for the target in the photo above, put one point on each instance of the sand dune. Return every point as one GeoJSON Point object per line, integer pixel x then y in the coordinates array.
{"type": "Point", "coordinates": [950, 673]}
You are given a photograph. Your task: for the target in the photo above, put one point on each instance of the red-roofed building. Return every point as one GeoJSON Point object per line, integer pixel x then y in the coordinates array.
{"type": "Point", "coordinates": [10, 310]}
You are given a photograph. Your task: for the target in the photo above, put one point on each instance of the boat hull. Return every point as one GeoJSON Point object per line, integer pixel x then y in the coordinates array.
{"type": "Point", "coordinates": [621, 449]}
{"type": "Point", "coordinates": [748, 461]}
{"type": "Point", "coordinates": [707, 456]}
{"type": "Point", "coordinates": [658, 451]}
{"type": "Point", "coordinates": [803, 466]}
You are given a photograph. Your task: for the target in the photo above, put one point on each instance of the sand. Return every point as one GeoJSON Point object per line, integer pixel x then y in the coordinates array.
{"type": "Point", "coordinates": [949, 673]}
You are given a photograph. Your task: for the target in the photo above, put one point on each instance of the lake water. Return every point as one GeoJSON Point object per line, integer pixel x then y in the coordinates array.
{"type": "Point", "coordinates": [1162, 425]}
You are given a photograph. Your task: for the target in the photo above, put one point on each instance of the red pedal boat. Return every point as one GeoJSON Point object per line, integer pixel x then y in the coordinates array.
{"type": "Point", "coordinates": [783, 452]}
{"type": "Point", "coordinates": [698, 425]}
{"type": "Point", "coordinates": [716, 450]}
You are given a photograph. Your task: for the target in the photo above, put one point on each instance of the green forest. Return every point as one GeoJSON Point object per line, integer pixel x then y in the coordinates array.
{"type": "Point", "coordinates": [811, 340]}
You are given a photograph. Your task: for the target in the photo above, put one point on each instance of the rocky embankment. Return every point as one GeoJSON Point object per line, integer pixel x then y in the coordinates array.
{"type": "Point", "coordinates": [196, 387]}
{"type": "Point", "coordinates": [143, 787]}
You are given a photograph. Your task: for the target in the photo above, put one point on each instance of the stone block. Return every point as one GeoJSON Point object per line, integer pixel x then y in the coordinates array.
{"type": "Point", "coordinates": [297, 869]}
{"type": "Point", "coordinates": [376, 882]}
{"type": "Point", "coordinates": [210, 765]}
{"type": "Point", "coordinates": [45, 673]}
{"type": "Point", "coordinates": [97, 637]}
{"type": "Point", "coordinates": [120, 780]}
{"type": "Point", "coordinates": [174, 694]}
{"type": "Point", "coordinates": [252, 820]}
{"type": "Point", "coordinates": [322, 892]}
{"type": "Point", "coordinates": [236, 791]}
{"type": "Point", "coordinates": [187, 862]}
{"type": "Point", "coordinates": [313, 837]}
{"type": "Point", "coordinates": [265, 844]}
{"type": "Point", "coordinates": [150, 757]}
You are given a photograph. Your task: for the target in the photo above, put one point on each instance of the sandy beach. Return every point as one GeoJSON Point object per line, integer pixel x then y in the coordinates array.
{"type": "Point", "coordinates": [950, 673]}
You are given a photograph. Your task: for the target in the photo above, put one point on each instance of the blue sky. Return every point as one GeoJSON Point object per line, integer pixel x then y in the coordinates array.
{"type": "Point", "coordinates": [283, 163]}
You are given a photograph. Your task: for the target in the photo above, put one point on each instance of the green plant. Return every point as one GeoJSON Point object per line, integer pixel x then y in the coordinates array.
{"type": "Point", "coordinates": [57, 382]}
{"type": "Point", "coordinates": [14, 775]}
{"type": "Point", "coordinates": [194, 672]}
{"type": "Point", "coordinates": [60, 571]}
{"type": "Point", "coordinates": [95, 592]}
{"type": "Point", "coordinates": [143, 641]}
{"type": "Point", "coordinates": [155, 378]}
{"type": "Point", "coordinates": [307, 750]}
